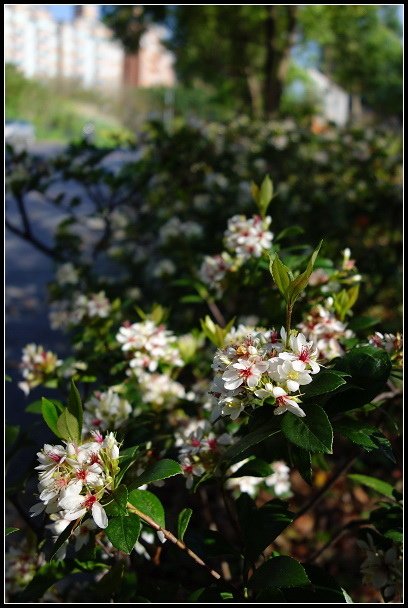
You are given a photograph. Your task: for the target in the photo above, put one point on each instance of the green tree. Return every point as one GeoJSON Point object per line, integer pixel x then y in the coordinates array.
{"type": "Point", "coordinates": [360, 49]}
{"type": "Point", "coordinates": [243, 53]}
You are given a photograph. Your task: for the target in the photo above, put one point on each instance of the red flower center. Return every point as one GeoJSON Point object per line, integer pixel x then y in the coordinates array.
{"type": "Point", "coordinates": [89, 501]}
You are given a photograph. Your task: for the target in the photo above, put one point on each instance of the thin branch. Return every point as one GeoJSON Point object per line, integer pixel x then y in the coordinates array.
{"type": "Point", "coordinates": [23, 214]}
{"type": "Point", "coordinates": [174, 540]}
{"type": "Point", "coordinates": [218, 316]}
{"type": "Point", "coordinates": [327, 486]}
{"type": "Point", "coordinates": [30, 238]}
{"type": "Point", "coordinates": [356, 523]}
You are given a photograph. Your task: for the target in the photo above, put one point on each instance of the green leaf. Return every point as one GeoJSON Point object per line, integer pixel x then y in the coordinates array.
{"type": "Point", "coordinates": [159, 470]}
{"type": "Point", "coordinates": [10, 531]}
{"type": "Point", "coordinates": [265, 195]}
{"type": "Point", "coordinates": [361, 323]}
{"type": "Point", "coordinates": [302, 461]}
{"type": "Point", "coordinates": [261, 526]}
{"type": "Point", "coordinates": [148, 504]}
{"type": "Point", "coordinates": [324, 589]}
{"type": "Point", "coordinates": [289, 231]}
{"type": "Point", "coordinates": [35, 407]}
{"type": "Point", "coordinates": [126, 459]}
{"type": "Point", "coordinates": [248, 441]}
{"type": "Point", "coordinates": [282, 276]}
{"type": "Point", "coordinates": [68, 427]}
{"type": "Point", "coordinates": [364, 435]}
{"type": "Point", "coordinates": [183, 521]}
{"type": "Point", "coordinates": [117, 503]}
{"type": "Point", "coordinates": [313, 432]}
{"type": "Point", "coordinates": [64, 536]}
{"type": "Point", "coordinates": [367, 365]}
{"type": "Point", "coordinates": [382, 487]}
{"type": "Point", "coordinates": [51, 414]}
{"type": "Point", "coordinates": [279, 572]}
{"type": "Point", "coordinates": [75, 406]}
{"type": "Point", "coordinates": [254, 468]}
{"type": "Point", "coordinates": [123, 532]}
{"type": "Point", "coordinates": [300, 282]}
{"type": "Point", "coordinates": [326, 381]}
{"type": "Point", "coordinates": [11, 434]}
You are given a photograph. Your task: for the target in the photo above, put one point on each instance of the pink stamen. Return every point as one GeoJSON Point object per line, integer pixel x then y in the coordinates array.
{"type": "Point", "coordinates": [54, 457]}
{"type": "Point", "coordinates": [89, 501]}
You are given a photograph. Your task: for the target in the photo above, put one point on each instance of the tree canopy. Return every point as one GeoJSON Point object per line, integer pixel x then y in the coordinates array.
{"type": "Point", "coordinates": [244, 52]}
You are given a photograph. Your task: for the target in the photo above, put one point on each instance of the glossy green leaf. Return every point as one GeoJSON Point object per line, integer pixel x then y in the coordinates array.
{"type": "Point", "coordinates": [183, 521]}
{"type": "Point", "coordinates": [8, 531]}
{"type": "Point", "coordinates": [68, 427]}
{"type": "Point", "coordinates": [382, 487]}
{"type": "Point", "coordinates": [148, 504]}
{"type": "Point", "coordinates": [279, 572]}
{"type": "Point", "coordinates": [123, 532]}
{"type": "Point", "coordinates": [75, 405]}
{"type": "Point", "coordinates": [51, 413]}
{"type": "Point", "coordinates": [300, 282]}
{"type": "Point", "coordinates": [117, 502]}
{"type": "Point", "coordinates": [313, 432]}
{"type": "Point", "coordinates": [248, 441]}
{"type": "Point", "coordinates": [261, 526]}
{"type": "Point", "coordinates": [254, 468]}
{"type": "Point", "coordinates": [282, 276]}
{"type": "Point", "coordinates": [326, 381]}
{"type": "Point", "coordinates": [162, 469]}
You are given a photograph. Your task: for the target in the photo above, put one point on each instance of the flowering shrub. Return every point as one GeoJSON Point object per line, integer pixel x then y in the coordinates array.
{"type": "Point", "coordinates": [182, 457]}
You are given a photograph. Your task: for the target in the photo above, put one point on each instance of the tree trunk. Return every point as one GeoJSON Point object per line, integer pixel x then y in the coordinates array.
{"type": "Point", "coordinates": [278, 47]}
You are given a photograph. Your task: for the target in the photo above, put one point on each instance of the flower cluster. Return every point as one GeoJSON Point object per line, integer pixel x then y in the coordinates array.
{"type": "Point", "coordinates": [149, 346]}
{"type": "Point", "coordinates": [160, 389]}
{"type": "Point", "coordinates": [278, 482]}
{"type": "Point", "coordinates": [96, 305]}
{"type": "Point", "coordinates": [245, 238]}
{"type": "Point", "coordinates": [104, 411]}
{"type": "Point", "coordinates": [65, 313]}
{"type": "Point", "coordinates": [67, 274]}
{"type": "Point", "coordinates": [214, 270]}
{"type": "Point", "coordinates": [265, 366]}
{"type": "Point", "coordinates": [174, 228]}
{"type": "Point", "coordinates": [74, 479]}
{"type": "Point", "coordinates": [200, 449]}
{"type": "Point", "coordinates": [326, 331]}
{"type": "Point", "coordinates": [248, 237]}
{"type": "Point", "coordinates": [37, 366]}
{"type": "Point", "coordinates": [393, 344]}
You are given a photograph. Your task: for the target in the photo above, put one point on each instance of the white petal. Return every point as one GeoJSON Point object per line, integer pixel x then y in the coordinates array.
{"type": "Point", "coordinates": [293, 386]}
{"type": "Point", "coordinates": [71, 515]}
{"type": "Point", "coordinates": [252, 381]}
{"type": "Point", "coordinates": [298, 366]}
{"type": "Point", "coordinates": [99, 515]}
{"type": "Point", "coordinates": [71, 502]}
{"type": "Point", "coordinates": [233, 384]}
{"type": "Point", "coordinates": [278, 391]}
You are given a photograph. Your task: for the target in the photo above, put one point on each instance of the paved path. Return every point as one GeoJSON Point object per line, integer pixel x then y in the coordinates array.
{"type": "Point", "coordinates": [27, 273]}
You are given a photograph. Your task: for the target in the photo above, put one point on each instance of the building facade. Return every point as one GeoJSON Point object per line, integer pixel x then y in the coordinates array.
{"type": "Point", "coordinates": [81, 50]}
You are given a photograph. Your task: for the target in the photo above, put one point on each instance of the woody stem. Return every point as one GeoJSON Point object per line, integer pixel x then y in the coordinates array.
{"type": "Point", "coordinates": [173, 539]}
{"type": "Point", "coordinates": [289, 310]}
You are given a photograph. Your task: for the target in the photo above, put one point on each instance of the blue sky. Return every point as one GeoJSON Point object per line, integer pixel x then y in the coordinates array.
{"type": "Point", "coordinates": [62, 12]}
